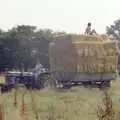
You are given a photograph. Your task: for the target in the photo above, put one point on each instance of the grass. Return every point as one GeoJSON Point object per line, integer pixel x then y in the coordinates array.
{"type": "Point", "coordinates": [74, 104]}
{"type": "Point", "coordinates": [106, 111]}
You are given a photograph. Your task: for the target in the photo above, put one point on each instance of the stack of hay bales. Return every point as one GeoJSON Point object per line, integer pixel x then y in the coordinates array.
{"type": "Point", "coordinates": [73, 54]}
{"type": "Point", "coordinates": [96, 57]}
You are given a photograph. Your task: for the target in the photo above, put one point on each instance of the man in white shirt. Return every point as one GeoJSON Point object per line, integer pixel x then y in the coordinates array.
{"type": "Point", "coordinates": [88, 30]}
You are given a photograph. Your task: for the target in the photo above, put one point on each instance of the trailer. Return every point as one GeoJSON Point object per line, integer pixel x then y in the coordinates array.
{"type": "Point", "coordinates": [83, 60]}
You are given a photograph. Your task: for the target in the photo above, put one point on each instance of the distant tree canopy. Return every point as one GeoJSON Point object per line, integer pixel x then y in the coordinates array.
{"type": "Point", "coordinates": [23, 46]}
{"type": "Point", "coordinates": [114, 30]}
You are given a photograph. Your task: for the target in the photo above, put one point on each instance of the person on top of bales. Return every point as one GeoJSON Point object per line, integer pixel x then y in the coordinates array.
{"type": "Point", "coordinates": [88, 30]}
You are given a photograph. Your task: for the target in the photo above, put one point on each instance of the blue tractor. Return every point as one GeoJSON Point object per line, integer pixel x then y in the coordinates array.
{"type": "Point", "coordinates": [14, 78]}
{"type": "Point", "coordinates": [27, 79]}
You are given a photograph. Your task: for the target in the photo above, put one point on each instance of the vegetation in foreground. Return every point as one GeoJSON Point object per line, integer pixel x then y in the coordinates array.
{"type": "Point", "coordinates": [74, 104]}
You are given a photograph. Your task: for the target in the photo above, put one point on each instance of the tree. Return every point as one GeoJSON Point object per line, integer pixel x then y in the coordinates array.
{"type": "Point", "coordinates": [114, 30]}
{"type": "Point", "coordinates": [41, 44]}
{"type": "Point", "coordinates": [22, 47]}
{"type": "Point", "coordinates": [17, 42]}
{"type": "Point", "coordinates": [25, 35]}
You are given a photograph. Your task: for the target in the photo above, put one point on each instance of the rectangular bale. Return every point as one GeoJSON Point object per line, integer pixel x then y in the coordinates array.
{"type": "Point", "coordinates": [77, 57]}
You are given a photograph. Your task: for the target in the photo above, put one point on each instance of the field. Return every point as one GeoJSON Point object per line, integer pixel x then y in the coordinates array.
{"type": "Point", "coordinates": [74, 104]}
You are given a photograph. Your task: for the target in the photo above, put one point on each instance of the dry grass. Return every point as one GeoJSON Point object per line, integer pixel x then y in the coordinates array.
{"type": "Point", "coordinates": [34, 108]}
{"type": "Point", "coordinates": [75, 104]}
{"type": "Point", "coordinates": [2, 115]}
{"type": "Point", "coordinates": [23, 109]}
{"type": "Point", "coordinates": [15, 97]}
{"type": "Point", "coordinates": [106, 111]}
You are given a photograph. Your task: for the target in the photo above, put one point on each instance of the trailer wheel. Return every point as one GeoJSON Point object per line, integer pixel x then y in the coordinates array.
{"type": "Point", "coordinates": [105, 85]}
{"type": "Point", "coordinates": [50, 82]}
{"type": "Point", "coordinates": [87, 84]}
{"type": "Point", "coordinates": [67, 86]}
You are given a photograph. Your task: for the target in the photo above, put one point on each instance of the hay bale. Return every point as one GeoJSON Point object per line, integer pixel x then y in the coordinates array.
{"type": "Point", "coordinates": [73, 54]}
{"type": "Point", "coordinates": [100, 56]}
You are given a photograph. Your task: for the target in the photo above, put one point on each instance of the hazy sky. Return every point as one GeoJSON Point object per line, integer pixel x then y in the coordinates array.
{"type": "Point", "coordinates": [66, 15]}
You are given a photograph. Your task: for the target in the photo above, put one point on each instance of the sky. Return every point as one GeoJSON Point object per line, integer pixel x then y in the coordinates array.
{"type": "Point", "coordinates": [71, 16]}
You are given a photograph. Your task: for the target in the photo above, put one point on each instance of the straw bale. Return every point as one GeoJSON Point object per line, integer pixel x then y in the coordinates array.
{"type": "Point", "coordinates": [83, 54]}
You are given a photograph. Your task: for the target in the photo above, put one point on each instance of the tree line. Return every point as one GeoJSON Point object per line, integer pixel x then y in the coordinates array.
{"type": "Point", "coordinates": [23, 46]}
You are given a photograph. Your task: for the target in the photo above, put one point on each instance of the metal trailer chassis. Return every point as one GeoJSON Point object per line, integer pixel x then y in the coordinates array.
{"type": "Point", "coordinates": [96, 84]}
{"type": "Point", "coordinates": [99, 81]}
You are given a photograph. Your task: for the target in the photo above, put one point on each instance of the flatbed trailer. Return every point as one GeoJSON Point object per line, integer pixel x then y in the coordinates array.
{"type": "Point", "coordinates": [75, 60]}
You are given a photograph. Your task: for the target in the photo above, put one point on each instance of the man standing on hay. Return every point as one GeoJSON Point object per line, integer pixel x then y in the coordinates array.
{"type": "Point", "coordinates": [88, 30]}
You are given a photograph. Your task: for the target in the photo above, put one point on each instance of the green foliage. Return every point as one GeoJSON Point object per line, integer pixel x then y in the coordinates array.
{"type": "Point", "coordinates": [18, 43]}
{"type": "Point", "coordinates": [114, 30]}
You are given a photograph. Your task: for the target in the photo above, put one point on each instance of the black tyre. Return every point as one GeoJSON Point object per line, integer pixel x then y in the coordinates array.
{"type": "Point", "coordinates": [105, 85]}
